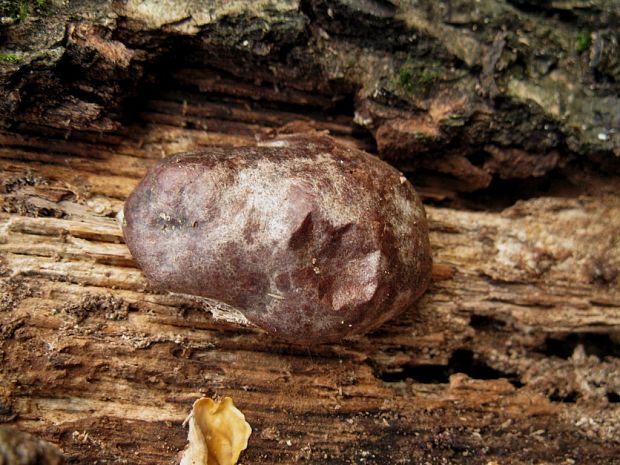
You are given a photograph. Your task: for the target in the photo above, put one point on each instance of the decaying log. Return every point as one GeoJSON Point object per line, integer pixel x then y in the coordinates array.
{"type": "Point", "coordinates": [505, 118]}
{"type": "Point", "coordinates": [511, 356]}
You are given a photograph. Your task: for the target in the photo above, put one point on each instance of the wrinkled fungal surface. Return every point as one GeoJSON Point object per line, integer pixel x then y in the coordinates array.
{"type": "Point", "coordinates": [312, 240]}
{"type": "Point", "coordinates": [218, 433]}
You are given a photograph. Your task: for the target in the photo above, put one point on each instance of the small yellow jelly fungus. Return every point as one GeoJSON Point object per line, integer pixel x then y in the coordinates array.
{"type": "Point", "coordinates": [218, 433]}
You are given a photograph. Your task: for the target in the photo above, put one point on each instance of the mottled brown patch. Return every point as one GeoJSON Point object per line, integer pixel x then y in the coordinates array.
{"type": "Point", "coordinates": [17, 448]}
{"type": "Point", "coordinates": [12, 292]}
{"type": "Point", "coordinates": [113, 308]}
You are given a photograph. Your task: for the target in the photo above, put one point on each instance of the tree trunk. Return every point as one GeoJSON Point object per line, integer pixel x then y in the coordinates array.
{"type": "Point", "coordinates": [505, 116]}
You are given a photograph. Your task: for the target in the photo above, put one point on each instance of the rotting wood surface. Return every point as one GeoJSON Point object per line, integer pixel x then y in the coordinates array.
{"type": "Point", "coordinates": [512, 356]}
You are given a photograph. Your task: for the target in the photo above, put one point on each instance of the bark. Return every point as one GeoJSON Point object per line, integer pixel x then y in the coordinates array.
{"type": "Point", "coordinates": [494, 112]}
{"type": "Point", "coordinates": [475, 84]}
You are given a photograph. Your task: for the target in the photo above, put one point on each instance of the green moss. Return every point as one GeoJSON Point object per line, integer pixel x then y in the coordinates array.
{"type": "Point", "coordinates": [454, 120]}
{"type": "Point", "coordinates": [424, 138]}
{"type": "Point", "coordinates": [9, 57]}
{"type": "Point", "coordinates": [405, 77]}
{"type": "Point", "coordinates": [428, 76]}
{"type": "Point", "coordinates": [584, 40]}
{"type": "Point", "coordinates": [414, 80]}
{"type": "Point", "coordinates": [18, 10]}
{"type": "Point", "coordinates": [24, 10]}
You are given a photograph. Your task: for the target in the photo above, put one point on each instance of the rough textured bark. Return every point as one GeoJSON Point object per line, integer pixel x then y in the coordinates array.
{"type": "Point", "coordinates": [512, 356]}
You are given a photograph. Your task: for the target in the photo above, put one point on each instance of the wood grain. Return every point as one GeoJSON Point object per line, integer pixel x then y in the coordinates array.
{"type": "Point", "coordinates": [512, 356]}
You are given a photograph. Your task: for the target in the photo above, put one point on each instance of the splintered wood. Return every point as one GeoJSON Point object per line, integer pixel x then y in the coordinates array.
{"type": "Point", "coordinates": [512, 355]}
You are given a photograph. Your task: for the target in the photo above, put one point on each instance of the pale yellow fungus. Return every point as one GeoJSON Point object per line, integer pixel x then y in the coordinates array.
{"type": "Point", "coordinates": [218, 433]}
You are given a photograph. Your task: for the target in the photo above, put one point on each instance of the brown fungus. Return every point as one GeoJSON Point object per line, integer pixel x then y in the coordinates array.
{"type": "Point", "coordinates": [313, 241]}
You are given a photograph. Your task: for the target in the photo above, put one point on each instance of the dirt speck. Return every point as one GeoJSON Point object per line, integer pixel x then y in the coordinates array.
{"type": "Point", "coordinates": [112, 308]}
{"type": "Point", "coordinates": [12, 292]}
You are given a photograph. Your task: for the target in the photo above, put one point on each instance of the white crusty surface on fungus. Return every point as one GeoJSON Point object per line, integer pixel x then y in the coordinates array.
{"type": "Point", "coordinates": [218, 433]}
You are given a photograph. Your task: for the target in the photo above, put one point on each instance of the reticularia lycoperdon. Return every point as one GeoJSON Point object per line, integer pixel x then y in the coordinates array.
{"type": "Point", "coordinates": [312, 240]}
